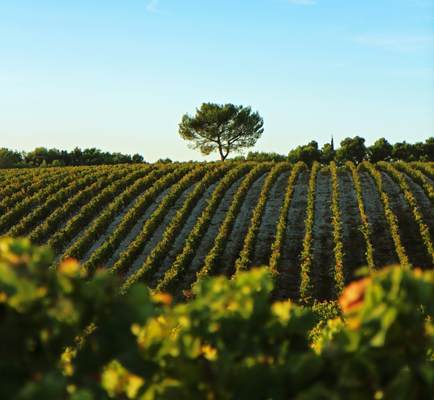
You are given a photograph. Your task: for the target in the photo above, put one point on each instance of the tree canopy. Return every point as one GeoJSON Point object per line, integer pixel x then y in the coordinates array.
{"type": "Point", "coordinates": [43, 157]}
{"type": "Point", "coordinates": [352, 150]}
{"type": "Point", "coordinates": [221, 127]}
{"type": "Point", "coordinates": [308, 154]}
{"type": "Point", "coordinates": [380, 151]}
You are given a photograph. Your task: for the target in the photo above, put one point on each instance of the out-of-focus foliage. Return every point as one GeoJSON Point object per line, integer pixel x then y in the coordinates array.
{"type": "Point", "coordinates": [41, 313]}
{"type": "Point", "coordinates": [229, 342]}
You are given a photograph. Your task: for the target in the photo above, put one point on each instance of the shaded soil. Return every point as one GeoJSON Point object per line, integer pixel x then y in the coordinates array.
{"type": "Point", "coordinates": [288, 282]}
{"type": "Point", "coordinates": [178, 245]}
{"type": "Point", "coordinates": [82, 232]}
{"type": "Point", "coordinates": [429, 180]}
{"type": "Point", "coordinates": [354, 245]}
{"type": "Point", "coordinates": [207, 242]}
{"type": "Point", "coordinates": [423, 203]}
{"type": "Point", "coordinates": [323, 264]}
{"type": "Point", "coordinates": [384, 248]}
{"type": "Point", "coordinates": [136, 229]}
{"type": "Point", "coordinates": [241, 227]}
{"type": "Point", "coordinates": [408, 227]}
{"type": "Point", "coordinates": [157, 236]}
{"type": "Point", "coordinates": [267, 229]}
{"type": "Point", "coordinates": [112, 227]}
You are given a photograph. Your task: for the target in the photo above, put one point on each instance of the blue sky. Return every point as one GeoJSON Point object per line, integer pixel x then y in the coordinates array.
{"type": "Point", "coordinates": [119, 74]}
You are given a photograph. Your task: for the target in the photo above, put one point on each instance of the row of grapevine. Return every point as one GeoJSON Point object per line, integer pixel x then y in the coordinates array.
{"type": "Point", "coordinates": [22, 208]}
{"type": "Point", "coordinates": [411, 201]}
{"type": "Point", "coordinates": [171, 232]}
{"type": "Point", "coordinates": [163, 247]}
{"type": "Point", "coordinates": [176, 273]}
{"type": "Point", "coordinates": [212, 260]}
{"type": "Point", "coordinates": [71, 209]}
{"type": "Point", "coordinates": [307, 253]}
{"type": "Point", "coordinates": [10, 175]}
{"type": "Point", "coordinates": [366, 231]}
{"type": "Point", "coordinates": [14, 189]}
{"type": "Point", "coordinates": [417, 176]}
{"type": "Point", "coordinates": [51, 224]}
{"type": "Point", "coordinates": [51, 203]}
{"type": "Point", "coordinates": [136, 247]}
{"type": "Point", "coordinates": [74, 225]}
{"type": "Point", "coordinates": [388, 213]}
{"type": "Point", "coordinates": [105, 251]}
{"type": "Point", "coordinates": [36, 180]}
{"type": "Point", "coordinates": [24, 190]}
{"type": "Point", "coordinates": [337, 233]}
{"type": "Point", "coordinates": [100, 224]}
{"type": "Point", "coordinates": [244, 260]}
{"type": "Point", "coordinates": [426, 168]}
{"type": "Point", "coordinates": [282, 222]}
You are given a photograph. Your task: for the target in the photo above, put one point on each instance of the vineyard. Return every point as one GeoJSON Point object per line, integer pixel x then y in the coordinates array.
{"type": "Point", "coordinates": [174, 225]}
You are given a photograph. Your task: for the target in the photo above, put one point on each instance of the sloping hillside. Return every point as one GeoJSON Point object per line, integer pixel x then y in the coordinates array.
{"type": "Point", "coordinates": [172, 225]}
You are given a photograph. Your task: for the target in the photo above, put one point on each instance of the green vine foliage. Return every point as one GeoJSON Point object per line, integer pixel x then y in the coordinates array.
{"type": "Point", "coordinates": [388, 213]}
{"type": "Point", "coordinates": [228, 342]}
{"type": "Point", "coordinates": [307, 253]}
{"type": "Point", "coordinates": [337, 233]}
{"type": "Point", "coordinates": [365, 228]}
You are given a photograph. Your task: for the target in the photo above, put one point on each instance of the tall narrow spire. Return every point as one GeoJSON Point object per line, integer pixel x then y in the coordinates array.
{"type": "Point", "coordinates": [333, 146]}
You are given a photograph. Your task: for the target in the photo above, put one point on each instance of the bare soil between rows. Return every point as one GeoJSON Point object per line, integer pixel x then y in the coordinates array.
{"type": "Point", "coordinates": [354, 245]}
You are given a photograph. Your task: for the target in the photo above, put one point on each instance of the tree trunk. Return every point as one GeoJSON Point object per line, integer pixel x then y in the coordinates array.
{"type": "Point", "coordinates": [222, 157]}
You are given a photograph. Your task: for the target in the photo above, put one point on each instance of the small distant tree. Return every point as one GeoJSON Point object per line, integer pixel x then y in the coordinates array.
{"type": "Point", "coordinates": [37, 156]}
{"type": "Point", "coordinates": [328, 152]}
{"type": "Point", "coordinates": [137, 158]}
{"type": "Point", "coordinates": [352, 149]}
{"type": "Point", "coordinates": [76, 155]}
{"type": "Point", "coordinates": [308, 154]}
{"type": "Point", "coordinates": [417, 151]}
{"type": "Point", "coordinates": [380, 151]}
{"type": "Point", "coordinates": [263, 156]}
{"type": "Point", "coordinates": [119, 158]}
{"type": "Point", "coordinates": [164, 161]}
{"type": "Point", "coordinates": [223, 128]}
{"type": "Point", "coordinates": [401, 151]}
{"type": "Point", "coordinates": [57, 163]}
{"type": "Point", "coordinates": [429, 149]}
{"type": "Point", "coordinates": [92, 156]}
{"type": "Point", "coordinates": [8, 158]}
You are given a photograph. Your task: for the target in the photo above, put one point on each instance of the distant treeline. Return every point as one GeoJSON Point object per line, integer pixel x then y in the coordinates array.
{"type": "Point", "coordinates": [42, 157]}
{"type": "Point", "coordinates": [353, 149]}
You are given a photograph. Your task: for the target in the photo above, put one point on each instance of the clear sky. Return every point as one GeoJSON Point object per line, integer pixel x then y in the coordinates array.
{"type": "Point", "coordinates": [119, 74]}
